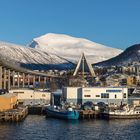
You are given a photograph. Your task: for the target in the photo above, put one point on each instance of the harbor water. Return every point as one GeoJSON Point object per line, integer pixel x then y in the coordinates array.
{"type": "Point", "coordinates": [36, 127]}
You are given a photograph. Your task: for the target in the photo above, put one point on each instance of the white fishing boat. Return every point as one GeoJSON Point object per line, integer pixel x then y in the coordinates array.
{"type": "Point", "coordinates": [124, 113]}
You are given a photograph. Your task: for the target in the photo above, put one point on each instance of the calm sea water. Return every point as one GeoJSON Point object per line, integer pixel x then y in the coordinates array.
{"type": "Point", "coordinates": [39, 128]}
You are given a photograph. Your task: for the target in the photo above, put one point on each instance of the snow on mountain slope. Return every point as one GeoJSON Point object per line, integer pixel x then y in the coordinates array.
{"type": "Point", "coordinates": [29, 56]}
{"type": "Point", "coordinates": [71, 48]}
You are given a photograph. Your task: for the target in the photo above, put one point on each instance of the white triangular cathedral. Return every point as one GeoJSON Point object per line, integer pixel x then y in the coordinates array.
{"type": "Point", "coordinates": [83, 67]}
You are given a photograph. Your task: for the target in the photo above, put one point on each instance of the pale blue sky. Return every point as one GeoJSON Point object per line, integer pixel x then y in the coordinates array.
{"type": "Point", "coordinates": [115, 23]}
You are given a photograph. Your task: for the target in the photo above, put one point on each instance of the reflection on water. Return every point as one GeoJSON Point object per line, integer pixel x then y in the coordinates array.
{"type": "Point", "coordinates": [39, 128]}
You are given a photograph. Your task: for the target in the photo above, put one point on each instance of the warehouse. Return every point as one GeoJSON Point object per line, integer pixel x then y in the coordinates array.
{"type": "Point", "coordinates": [108, 95]}
{"type": "Point", "coordinates": [7, 101]}
{"type": "Point", "coordinates": [32, 97]}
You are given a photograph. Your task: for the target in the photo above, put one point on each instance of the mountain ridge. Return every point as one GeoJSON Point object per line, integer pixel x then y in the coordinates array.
{"type": "Point", "coordinates": [32, 58]}
{"type": "Point", "coordinates": [71, 48]}
{"type": "Point", "coordinates": [130, 55]}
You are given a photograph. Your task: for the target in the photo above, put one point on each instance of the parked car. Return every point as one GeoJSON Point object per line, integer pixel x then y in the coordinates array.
{"type": "Point", "coordinates": [88, 105]}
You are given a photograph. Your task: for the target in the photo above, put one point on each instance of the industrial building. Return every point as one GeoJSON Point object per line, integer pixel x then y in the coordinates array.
{"type": "Point", "coordinates": [108, 95]}
{"type": "Point", "coordinates": [7, 101]}
{"type": "Point", "coordinates": [32, 97]}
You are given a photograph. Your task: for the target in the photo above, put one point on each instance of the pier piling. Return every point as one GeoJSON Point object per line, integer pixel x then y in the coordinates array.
{"type": "Point", "coordinates": [14, 115]}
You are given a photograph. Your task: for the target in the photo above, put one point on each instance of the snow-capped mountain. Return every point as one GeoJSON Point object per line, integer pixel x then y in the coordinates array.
{"type": "Point", "coordinates": [31, 58]}
{"type": "Point", "coordinates": [129, 56]}
{"type": "Point", "coordinates": [71, 48]}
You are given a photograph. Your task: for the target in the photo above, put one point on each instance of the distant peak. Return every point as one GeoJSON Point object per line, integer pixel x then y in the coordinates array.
{"type": "Point", "coordinates": [71, 47]}
{"type": "Point", "coordinates": [54, 35]}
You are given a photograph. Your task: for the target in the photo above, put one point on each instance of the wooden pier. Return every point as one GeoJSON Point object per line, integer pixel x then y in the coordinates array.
{"type": "Point", "coordinates": [36, 110]}
{"type": "Point", "coordinates": [14, 115]}
{"type": "Point", "coordinates": [89, 114]}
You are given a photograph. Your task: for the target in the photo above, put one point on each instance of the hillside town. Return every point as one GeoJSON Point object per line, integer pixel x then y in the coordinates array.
{"type": "Point", "coordinates": [83, 89]}
{"type": "Point", "coordinates": [69, 70]}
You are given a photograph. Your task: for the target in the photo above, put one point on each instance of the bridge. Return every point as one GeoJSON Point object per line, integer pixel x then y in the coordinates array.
{"type": "Point", "coordinates": [14, 76]}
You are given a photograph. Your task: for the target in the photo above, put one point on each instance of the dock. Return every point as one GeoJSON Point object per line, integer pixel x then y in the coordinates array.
{"type": "Point", "coordinates": [14, 115]}
{"type": "Point", "coordinates": [36, 110]}
{"type": "Point", "coordinates": [89, 114]}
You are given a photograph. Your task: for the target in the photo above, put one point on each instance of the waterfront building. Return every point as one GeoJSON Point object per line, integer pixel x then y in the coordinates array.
{"type": "Point", "coordinates": [32, 97]}
{"type": "Point", "coordinates": [108, 95]}
{"type": "Point", "coordinates": [7, 101]}
{"type": "Point", "coordinates": [72, 95]}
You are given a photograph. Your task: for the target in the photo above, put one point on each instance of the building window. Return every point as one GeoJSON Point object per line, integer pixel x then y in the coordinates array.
{"type": "Point", "coordinates": [43, 95]}
{"type": "Point", "coordinates": [124, 95]}
{"type": "Point", "coordinates": [87, 96]}
{"type": "Point", "coordinates": [115, 96]}
{"type": "Point", "coordinates": [97, 95]}
{"type": "Point", "coordinates": [107, 95]}
{"type": "Point", "coordinates": [18, 92]}
{"type": "Point", "coordinates": [86, 90]}
{"type": "Point", "coordinates": [104, 95]}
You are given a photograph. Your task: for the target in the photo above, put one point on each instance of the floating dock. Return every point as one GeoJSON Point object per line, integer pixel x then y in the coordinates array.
{"type": "Point", "coordinates": [14, 115]}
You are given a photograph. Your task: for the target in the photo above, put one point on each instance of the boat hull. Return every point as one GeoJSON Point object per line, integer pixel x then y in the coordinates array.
{"type": "Point", "coordinates": [67, 115]}
{"type": "Point", "coordinates": [115, 116]}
